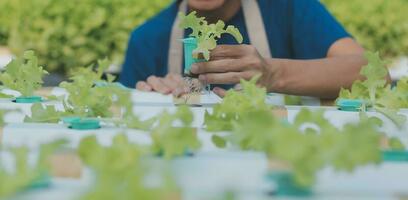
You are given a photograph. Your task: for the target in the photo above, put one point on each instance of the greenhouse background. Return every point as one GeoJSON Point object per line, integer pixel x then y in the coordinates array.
{"type": "Point", "coordinates": [235, 100]}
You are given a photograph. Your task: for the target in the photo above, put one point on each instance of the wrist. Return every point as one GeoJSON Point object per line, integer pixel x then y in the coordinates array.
{"type": "Point", "coordinates": [274, 76]}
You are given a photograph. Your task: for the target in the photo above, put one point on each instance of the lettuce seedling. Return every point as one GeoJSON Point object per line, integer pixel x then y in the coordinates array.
{"type": "Point", "coordinates": [89, 96]}
{"type": "Point", "coordinates": [206, 34]}
{"type": "Point", "coordinates": [87, 100]}
{"type": "Point", "coordinates": [235, 105]}
{"type": "Point", "coordinates": [120, 171]}
{"type": "Point", "coordinates": [23, 74]}
{"type": "Point", "coordinates": [170, 140]}
{"type": "Point", "coordinates": [25, 174]}
{"type": "Point", "coordinates": [376, 92]}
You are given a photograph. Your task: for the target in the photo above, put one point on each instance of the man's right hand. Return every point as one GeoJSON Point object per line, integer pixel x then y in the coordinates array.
{"type": "Point", "coordinates": [171, 84]}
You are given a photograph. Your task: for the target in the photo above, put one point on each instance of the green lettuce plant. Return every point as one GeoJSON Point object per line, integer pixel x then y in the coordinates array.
{"type": "Point", "coordinates": [120, 171]}
{"type": "Point", "coordinates": [375, 90]}
{"type": "Point", "coordinates": [24, 175]}
{"type": "Point", "coordinates": [235, 105]}
{"type": "Point", "coordinates": [23, 74]}
{"type": "Point", "coordinates": [310, 144]}
{"type": "Point", "coordinates": [170, 140]}
{"type": "Point", "coordinates": [206, 34]}
{"type": "Point", "coordinates": [307, 146]}
{"type": "Point", "coordinates": [87, 100]}
{"type": "Point", "coordinates": [89, 96]}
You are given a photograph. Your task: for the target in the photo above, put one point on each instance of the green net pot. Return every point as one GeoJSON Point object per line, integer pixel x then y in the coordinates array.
{"type": "Point", "coordinates": [286, 185]}
{"type": "Point", "coordinates": [85, 124]}
{"type": "Point", "coordinates": [352, 105]}
{"type": "Point", "coordinates": [30, 99]}
{"type": "Point", "coordinates": [190, 44]}
{"type": "Point", "coordinates": [395, 156]}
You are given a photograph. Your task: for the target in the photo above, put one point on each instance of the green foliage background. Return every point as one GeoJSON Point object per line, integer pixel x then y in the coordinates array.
{"type": "Point", "coordinates": [72, 33]}
{"type": "Point", "coordinates": [380, 25]}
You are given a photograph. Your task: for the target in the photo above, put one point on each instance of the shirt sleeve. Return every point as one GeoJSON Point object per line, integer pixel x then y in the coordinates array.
{"type": "Point", "coordinates": [137, 66]}
{"type": "Point", "coordinates": [314, 30]}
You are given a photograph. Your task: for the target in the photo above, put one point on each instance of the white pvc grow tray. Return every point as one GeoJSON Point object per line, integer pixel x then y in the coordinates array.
{"type": "Point", "coordinates": [32, 135]}
{"type": "Point", "coordinates": [205, 175]}
{"type": "Point", "coordinates": [155, 99]}
{"type": "Point", "coordinates": [35, 134]}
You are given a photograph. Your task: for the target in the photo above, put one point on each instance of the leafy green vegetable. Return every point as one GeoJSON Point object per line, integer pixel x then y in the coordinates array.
{"type": "Point", "coordinates": [85, 100]}
{"type": "Point", "coordinates": [70, 34]}
{"type": "Point", "coordinates": [206, 34]}
{"type": "Point", "coordinates": [44, 114]}
{"type": "Point", "coordinates": [91, 97]}
{"type": "Point", "coordinates": [12, 182]}
{"type": "Point", "coordinates": [310, 144]}
{"type": "Point", "coordinates": [23, 74]}
{"type": "Point", "coordinates": [376, 92]}
{"type": "Point", "coordinates": [235, 105]}
{"type": "Point", "coordinates": [174, 141]}
{"type": "Point", "coordinates": [371, 88]}
{"type": "Point", "coordinates": [120, 171]}
{"type": "Point", "coordinates": [375, 73]}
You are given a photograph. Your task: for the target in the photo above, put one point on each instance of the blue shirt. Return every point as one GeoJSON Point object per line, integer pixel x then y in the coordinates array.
{"type": "Point", "coordinates": [296, 29]}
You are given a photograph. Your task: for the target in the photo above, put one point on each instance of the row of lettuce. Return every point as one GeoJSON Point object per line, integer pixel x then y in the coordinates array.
{"type": "Point", "coordinates": [306, 146]}
{"type": "Point", "coordinates": [67, 34]}
{"type": "Point", "coordinates": [118, 169]}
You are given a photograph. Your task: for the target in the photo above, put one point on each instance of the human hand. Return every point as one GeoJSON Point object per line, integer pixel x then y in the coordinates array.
{"type": "Point", "coordinates": [171, 83]}
{"type": "Point", "coordinates": [231, 63]}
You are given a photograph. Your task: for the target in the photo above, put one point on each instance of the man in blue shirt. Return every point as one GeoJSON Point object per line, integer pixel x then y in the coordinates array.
{"type": "Point", "coordinates": [310, 52]}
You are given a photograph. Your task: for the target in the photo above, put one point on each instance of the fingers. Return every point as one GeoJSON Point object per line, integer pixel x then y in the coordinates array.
{"type": "Point", "coordinates": [229, 51]}
{"type": "Point", "coordinates": [219, 91]}
{"type": "Point", "coordinates": [178, 85]}
{"type": "Point", "coordinates": [164, 85]}
{"type": "Point", "coordinates": [171, 84]}
{"type": "Point", "coordinates": [143, 86]}
{"type": "Point", "coordinates": [229, 58]}
{"type": "Point", "coordinates": [176, 80]}
{"type": "Point", "coordinates": [218, 66]}
{"type": "Point", "coordinates": [158, 85]}
{"type": "Point", "coordinates": [225, 78]}
{"type": "Point", "coordinates": [178, 92]}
